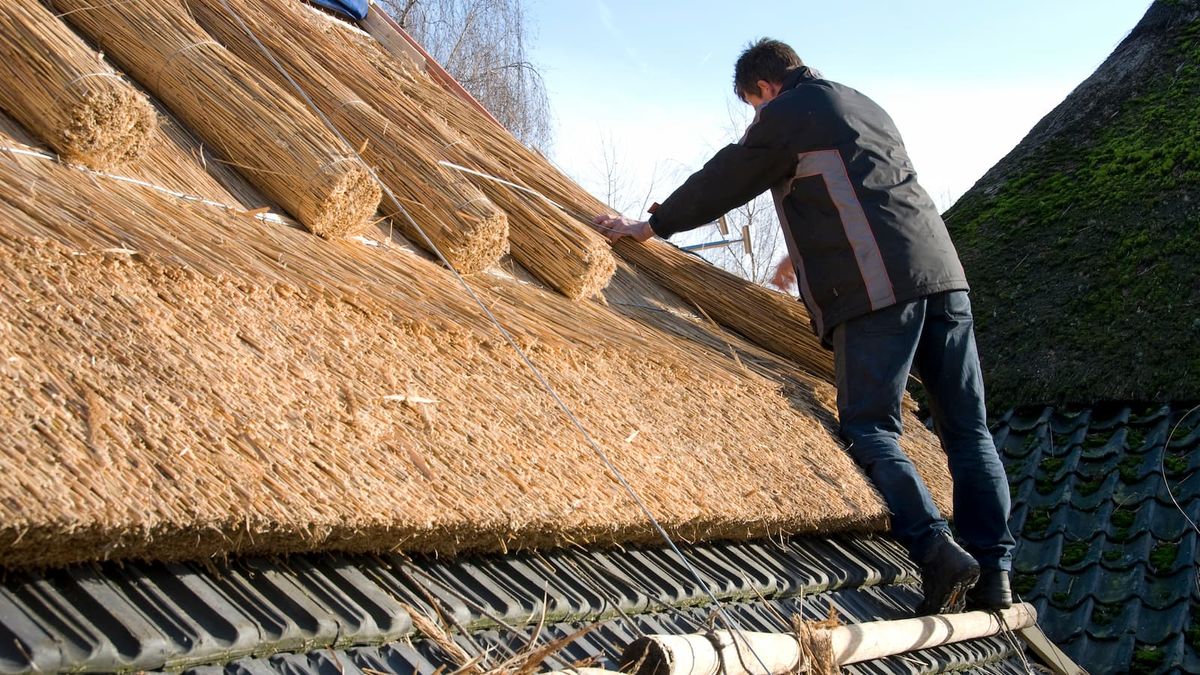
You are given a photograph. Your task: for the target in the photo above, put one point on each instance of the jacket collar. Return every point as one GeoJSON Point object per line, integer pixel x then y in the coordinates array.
{"type": "Point", "coordinates": [799, 75]}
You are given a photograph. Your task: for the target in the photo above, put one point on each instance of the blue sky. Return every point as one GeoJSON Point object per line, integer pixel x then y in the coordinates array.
{"type": "Point", "coordinates": [964, 80]}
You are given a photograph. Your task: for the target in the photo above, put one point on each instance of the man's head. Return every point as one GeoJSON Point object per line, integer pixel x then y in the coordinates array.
{"type": "Point", "coordinates": [759, 71]}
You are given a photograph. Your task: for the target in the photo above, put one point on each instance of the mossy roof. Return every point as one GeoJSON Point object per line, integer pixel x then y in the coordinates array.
{"type": "Point", "coordinates": [1083, 244]}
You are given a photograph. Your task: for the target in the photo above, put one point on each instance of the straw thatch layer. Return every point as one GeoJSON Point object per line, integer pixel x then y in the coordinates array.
{"type": "Point", "coordinates": [267, 134]}
{"type": "Point", "coordinates": [565, 254]}
{"type": "Point", "coordinates": [65, 93]}
{"type": "Point", "coordinates": [265, 392]}
{"type": "Point", "coordinates": [774, 320]}
{"type": "Point", "coordinates": [460, 222]}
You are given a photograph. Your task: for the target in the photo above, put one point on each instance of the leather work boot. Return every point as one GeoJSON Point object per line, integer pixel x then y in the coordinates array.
{"type": "Point", "coordinates": [947, 573]}
{"type": "Point", "coordinates": [991, 593]}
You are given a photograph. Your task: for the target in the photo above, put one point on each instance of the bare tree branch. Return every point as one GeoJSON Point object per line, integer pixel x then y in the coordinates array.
{"type": "Point", "coordinates": [482, 44]}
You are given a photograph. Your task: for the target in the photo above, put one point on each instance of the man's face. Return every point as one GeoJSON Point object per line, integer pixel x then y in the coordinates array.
{"type": "Point", "coordinates": [767, 91]}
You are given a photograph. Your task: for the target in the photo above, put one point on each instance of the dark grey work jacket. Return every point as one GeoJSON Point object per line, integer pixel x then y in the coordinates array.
{"type": "Point", "coordinates": [863, 235]}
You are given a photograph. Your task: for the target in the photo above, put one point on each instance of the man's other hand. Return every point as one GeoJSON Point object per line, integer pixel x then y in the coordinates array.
{"type": "Point", "coordinates": [618, 227]}
{"type": "Point", "coordinates": [785, 275]}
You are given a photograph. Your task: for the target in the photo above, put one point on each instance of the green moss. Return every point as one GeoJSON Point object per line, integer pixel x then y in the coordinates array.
{"type": "Point", "coordinates": [1135, 438]}
{"type": "Point", "coordinates": [1103, 614]}
{"type": "Point", "coordinates": [1073, 553]}
{"type": "Point", "coordinates": [1087, 240]}
{"type": "Point", "coordinates": [1045, 485]}
{"type": "Point", "coordinates": [1089, 486]}
{"type": "Point", "coordinates": [1095, 440]}
{"type": "Point", "coordinates": [1032, 441]}
{"type": "Point", "coordinates": [1036, 522]}
{"type": "Point", "coordinates": [1122, 520]}
{"type": "Point", "coordinates": [1023, 583]}
{"type": "Point", "coordinates": [1193, 630]}
{"type": "Point", "coordinates": [1060, 598]}
{"type": "Point", "coordinates": [1112, 555]}
{"type": "Point", "coordinates": [1147, 659]}
{"type": "Point", "coordinates": [1128, 468]}
{"type": "Point", "coordinates": [1051, 465]}
{"type": "Point", "coordinates": [1162, 558]}
{"type": "Point", "coordinates": [1175, 464]}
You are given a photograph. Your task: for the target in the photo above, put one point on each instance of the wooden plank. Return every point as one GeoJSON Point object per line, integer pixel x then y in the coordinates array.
{"type": "Point", "coordinates": [753, 653]}
{"type": "Point", "coordinates": [1048, 652]}
{"type": "Point", "coordinates": [389, 38]}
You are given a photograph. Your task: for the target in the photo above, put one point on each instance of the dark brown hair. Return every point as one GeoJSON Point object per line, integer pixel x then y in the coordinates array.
{"type": "Point", "coordinates": [768, 60]}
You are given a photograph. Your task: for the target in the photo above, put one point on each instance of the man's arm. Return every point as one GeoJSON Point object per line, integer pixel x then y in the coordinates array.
{"type": "Point", "coordinates": [736, 174]}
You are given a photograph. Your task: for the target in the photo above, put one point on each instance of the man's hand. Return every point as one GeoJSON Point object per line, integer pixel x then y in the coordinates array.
{"type": "Point", "coordinates": [785, 275]}
{"type": "Point", "coordinates": [617, 227]}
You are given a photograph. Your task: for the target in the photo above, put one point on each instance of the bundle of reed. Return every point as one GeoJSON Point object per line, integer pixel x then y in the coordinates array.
{"type": "Point", "coordinates": [173, 159]}
{"type": "Point", "coordinates": [64, 92]}
{"type": "Point", "coordinates": [773, 320]}
{"type": "Point", "coordinates": [565, 254]}
{"type": "Point", "coordinates": [249, 388]}
{"type": "Point", "coordinates": [252, 122]}
{"type": "Point", "coordinates": [458, 219]}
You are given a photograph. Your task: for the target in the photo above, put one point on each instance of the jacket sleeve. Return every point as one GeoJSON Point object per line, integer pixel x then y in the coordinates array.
{"type": "Point", "coordinates": [736, 174]}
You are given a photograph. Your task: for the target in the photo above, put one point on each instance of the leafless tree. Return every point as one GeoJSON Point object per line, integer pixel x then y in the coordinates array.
{"type": "Point", "coordinates": [618, 188]}
{"type": "Point", "coordinates": [482, 44]}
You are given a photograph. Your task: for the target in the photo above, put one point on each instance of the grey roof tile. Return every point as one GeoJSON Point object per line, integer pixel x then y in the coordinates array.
{"type": "Point", "coordinates": [1103, 552]}
{"type": "Point", "coordinates": [339, 613]}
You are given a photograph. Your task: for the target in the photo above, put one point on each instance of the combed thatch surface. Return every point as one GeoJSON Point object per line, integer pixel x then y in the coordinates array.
{"type": "Point", "coordinates": [290, 394]}
{"type": "Point", "coordinates": [186, 377]}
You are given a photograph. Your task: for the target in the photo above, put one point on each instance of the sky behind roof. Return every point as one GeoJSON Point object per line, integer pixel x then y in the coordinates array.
{"type": "Point", "coordinates": [964, 80]}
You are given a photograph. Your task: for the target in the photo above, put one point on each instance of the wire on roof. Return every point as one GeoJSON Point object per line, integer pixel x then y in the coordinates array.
{"type": "Point", "coordinates": [537, 373]}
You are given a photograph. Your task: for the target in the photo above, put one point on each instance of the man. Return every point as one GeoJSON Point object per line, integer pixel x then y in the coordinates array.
{"type": "Point", "coordinates": [885, 289]}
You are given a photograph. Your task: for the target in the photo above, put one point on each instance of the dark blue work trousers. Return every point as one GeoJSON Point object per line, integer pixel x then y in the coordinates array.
{"type": "Point", "coordinates": [874, 353]}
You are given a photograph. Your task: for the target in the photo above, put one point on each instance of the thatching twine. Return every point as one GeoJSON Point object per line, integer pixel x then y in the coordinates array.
{"type": "Point", "coordinates": [459, 220]}
{"type": "Point", "coordinates": [65, 93]}
{"type": "Point", "coordinates": [177, 160]}
{"type": "Point", "coordinates": [231, 385]}
{"type": "Point", "coordinates": [564, 253]}
{"type": "Point", "coordinates": [266, 133]}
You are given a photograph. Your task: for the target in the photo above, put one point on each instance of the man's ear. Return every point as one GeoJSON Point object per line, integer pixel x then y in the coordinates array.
{"type": "Point", "coordinates": [769, 90]}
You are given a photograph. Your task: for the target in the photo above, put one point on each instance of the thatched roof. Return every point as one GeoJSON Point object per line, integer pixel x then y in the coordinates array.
{"type": "Point", "coordinates": [1081, 244]}
{"type": "Point", "coordinates": [185, 374]}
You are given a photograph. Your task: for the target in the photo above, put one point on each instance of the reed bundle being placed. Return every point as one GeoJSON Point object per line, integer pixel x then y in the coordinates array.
{"type": "Point", "coordinates": [254, 124]}
{"type": "Point", "coordinates": [773, 320]}
{"type": "Point", "coordinates": [565, 254]}
{"type": "Point", "coordinates": [470, 231]}
{"type": "Point", "coordinates": [65, 93]}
